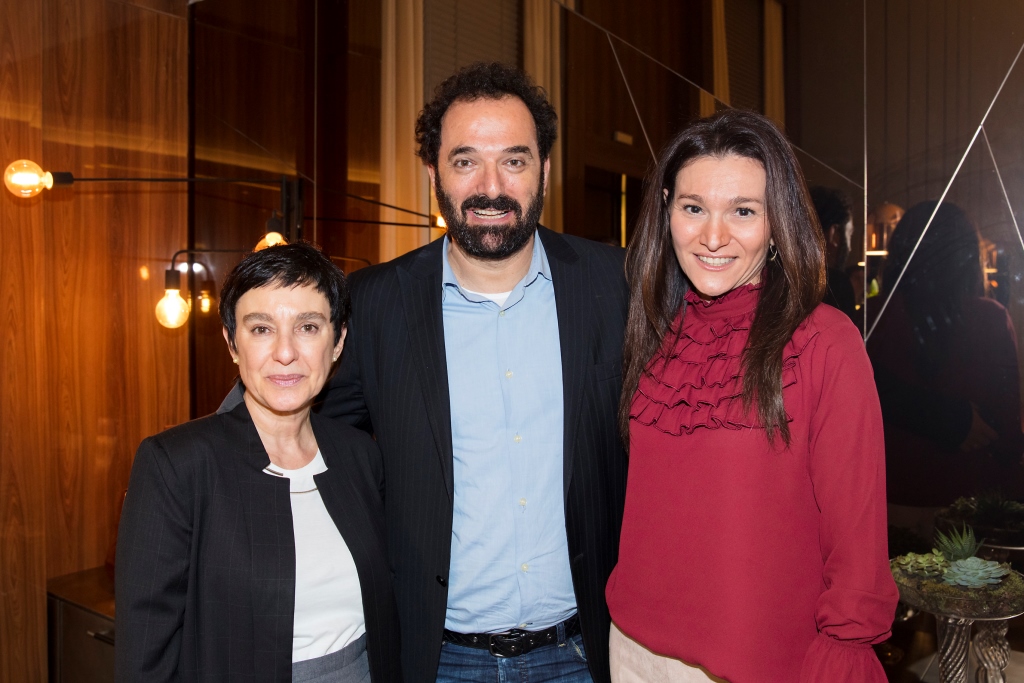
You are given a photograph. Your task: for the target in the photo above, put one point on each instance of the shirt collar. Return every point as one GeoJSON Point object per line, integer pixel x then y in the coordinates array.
{"type": "Point", "coordinates": [538, 267]}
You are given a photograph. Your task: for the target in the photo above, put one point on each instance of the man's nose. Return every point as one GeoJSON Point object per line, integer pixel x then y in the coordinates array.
{"type": "Point", "coordinates": [490, 182]}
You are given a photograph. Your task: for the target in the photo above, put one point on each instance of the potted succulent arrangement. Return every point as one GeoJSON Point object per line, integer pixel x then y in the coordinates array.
{"type": "Point", "coordinates": [961, 589]}
{"type": "Point", "coordinates": [999, 519]}
{"type": "Point", "coordinates": [951, 580]}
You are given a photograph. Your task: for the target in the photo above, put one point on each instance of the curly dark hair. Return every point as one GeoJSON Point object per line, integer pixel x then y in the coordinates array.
{"type": "Point", "coordinates": [491, 81]}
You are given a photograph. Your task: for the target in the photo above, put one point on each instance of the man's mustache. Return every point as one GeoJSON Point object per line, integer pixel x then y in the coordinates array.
{"type": "Point", "coordinates": [499, 203]}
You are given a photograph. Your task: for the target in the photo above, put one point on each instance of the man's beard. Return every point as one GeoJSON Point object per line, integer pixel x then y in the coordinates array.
{"type": "Point", "coordinates": [490, 242]}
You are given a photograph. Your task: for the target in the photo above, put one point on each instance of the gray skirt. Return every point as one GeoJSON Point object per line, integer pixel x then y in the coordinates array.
{"type": "Point", "coordinates": [347, 665]}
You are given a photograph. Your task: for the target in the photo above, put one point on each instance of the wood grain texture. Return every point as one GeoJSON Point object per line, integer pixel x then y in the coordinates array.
{"type": "Point", "coordinates": [250, 99]}
{"type": "Point", "coordinates": [95, 87]}
{"type": "Point", "coordinates": [271, 100]}
{"type": "Point", "coordinates": [113, 104]}
{"type": "Point", "coordinates": [597, 103]}
{"type": "Point", "coordinates": [362, 240]}
{"type": "Point", "coordinates": [24, 437]}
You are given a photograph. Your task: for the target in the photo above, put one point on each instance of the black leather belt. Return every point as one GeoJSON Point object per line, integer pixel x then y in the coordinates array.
{"type": "Point", "coordinates": [515, 642]}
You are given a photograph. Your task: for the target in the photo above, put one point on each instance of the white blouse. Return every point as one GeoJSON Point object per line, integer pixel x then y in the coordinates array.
{"type": "Point", "coordinates": [328, 603]}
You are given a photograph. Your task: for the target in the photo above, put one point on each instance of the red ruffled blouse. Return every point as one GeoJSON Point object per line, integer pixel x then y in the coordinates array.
{"type": "Point", "coordinates": [759, 564]}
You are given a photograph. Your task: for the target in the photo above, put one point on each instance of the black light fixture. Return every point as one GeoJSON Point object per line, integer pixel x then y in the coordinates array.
{"type": "Point", "coordinates": [25, 178]}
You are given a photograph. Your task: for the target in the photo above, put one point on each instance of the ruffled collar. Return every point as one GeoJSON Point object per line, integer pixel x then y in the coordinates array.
{"type": "Point", "coordinates": [735, 302]}
{"type": "Point", "coordinates": [695, 380]}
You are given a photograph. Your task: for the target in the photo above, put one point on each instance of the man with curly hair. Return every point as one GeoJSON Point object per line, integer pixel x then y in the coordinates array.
{"type": "Point", "coordinates": [488, 367]}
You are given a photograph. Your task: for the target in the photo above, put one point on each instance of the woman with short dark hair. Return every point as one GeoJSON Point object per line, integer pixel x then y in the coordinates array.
{"type": "Point", "coordinates": [252, 543]}
{"type": "Point", "coordinates": [753, 542]}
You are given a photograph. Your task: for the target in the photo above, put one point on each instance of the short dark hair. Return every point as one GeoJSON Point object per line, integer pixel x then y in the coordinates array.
{"type": "Point", "coordinates": [286, 265]}
{"type": "Point", "coordinates": [485, 81]}
{"type": "Point", "coordinates": [832, 207]}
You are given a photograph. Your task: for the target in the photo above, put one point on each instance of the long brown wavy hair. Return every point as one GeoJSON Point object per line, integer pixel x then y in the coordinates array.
{"type": "Point", "coordinates": [792, 284]}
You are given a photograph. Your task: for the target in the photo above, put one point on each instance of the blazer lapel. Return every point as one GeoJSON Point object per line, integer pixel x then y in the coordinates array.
{"type": "Point", "coordinates": [346, 505]}
{"type": "Point", "coordinates": [420, 285]}
{"type": "Point", "coordinates": [268, 517]}
{"type": "Point", "coordinates": [572, 304]}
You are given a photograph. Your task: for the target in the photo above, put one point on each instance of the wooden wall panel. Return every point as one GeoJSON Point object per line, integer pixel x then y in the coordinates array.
{"type": "Point", "coordinates": [25, 438]}
{"type": "Point", "coordinates": [250, 104]}
{"type": "Point", "coordinates": [115, 88]}
{"type": "Point", "coordinates": [597, 103]}
{"type": "Point", "coordinates": [270, 99]}
{"type": "Point", "coordinates": [98, 88]}
{"type": "Point", "coordinates": [362, 240]}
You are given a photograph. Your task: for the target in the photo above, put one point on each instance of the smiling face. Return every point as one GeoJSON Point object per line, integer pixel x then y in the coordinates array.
{"type": "Point", "coordinates": [489, 168]}
{"type": "Point", "coordinates": [284, 346]}
{"type": "Point", "coordinates": [720, 232]}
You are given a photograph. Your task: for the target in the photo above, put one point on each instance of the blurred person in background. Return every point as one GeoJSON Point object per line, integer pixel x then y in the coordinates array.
{"type": "Point", "coordinates": [945, 362]}
{"type": "Point", "coordinates": [835, 217]}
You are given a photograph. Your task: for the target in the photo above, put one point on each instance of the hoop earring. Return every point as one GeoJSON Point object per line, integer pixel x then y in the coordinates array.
{"type": "Point", "coordinates": [773, 252]}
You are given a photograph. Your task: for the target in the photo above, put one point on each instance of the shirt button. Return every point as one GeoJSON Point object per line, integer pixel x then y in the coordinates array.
{"type": "Point", "coordinates": [517, 438]}
{"type": "Point", "coordinates": [522, 501]}
{"type": "Point", "coordinates": [501, 314]}
{"type": "Point", "coordinates": [508, 374]}
{"type": "Point", "coordinates": [525, 567]}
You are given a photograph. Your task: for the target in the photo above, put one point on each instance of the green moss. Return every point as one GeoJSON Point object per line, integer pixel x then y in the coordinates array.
{"type": "Point", "coordinates": [932, 595]}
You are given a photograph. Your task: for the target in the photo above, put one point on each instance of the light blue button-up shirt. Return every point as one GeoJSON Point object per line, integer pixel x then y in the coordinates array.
{"type": "Point", "coordinates": [510, 557]}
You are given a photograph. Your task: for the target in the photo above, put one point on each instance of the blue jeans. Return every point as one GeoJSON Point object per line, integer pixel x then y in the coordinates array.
{"type": "Point", "coordinates": [565, 662]}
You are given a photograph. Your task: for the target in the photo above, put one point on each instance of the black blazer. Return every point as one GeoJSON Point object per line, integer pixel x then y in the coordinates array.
{"type": "Point", "coordinates": [205, 583]}
{"type": "Point", "coordinates": [393, 382]}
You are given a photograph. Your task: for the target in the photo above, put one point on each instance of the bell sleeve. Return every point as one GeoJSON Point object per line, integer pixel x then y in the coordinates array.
{"type": "Point", "coordinates": [847, 470]}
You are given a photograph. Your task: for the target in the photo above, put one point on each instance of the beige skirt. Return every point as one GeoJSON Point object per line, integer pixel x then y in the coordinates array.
{"type": "Point", "coordinates": [631, 662]}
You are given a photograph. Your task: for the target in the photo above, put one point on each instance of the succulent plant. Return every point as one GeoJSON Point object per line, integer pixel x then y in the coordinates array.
{"type": "Point", "coordinates": [989, 509]}
{"type": "Point", "coordinates": [927, 564]}
{"type": "Point", "coordinates": [975, 572]}
{"type": "Point", "coordinates": [958, 545]}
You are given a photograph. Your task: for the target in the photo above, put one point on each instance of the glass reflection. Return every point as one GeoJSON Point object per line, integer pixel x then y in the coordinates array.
{"type": "Point", "coordinates": [945, 359]}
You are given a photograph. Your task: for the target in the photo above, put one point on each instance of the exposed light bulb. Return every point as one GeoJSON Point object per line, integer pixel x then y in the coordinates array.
{"type": "Point", "coordinates": [439, 222]}
{"type": "Point", "coordinates": [172, 310]}
{"type": "Point", "coordinates": [26, 178]}
{"type": "Point", "coordinates": [271, 239]}
{"type": "Point", "coordinates": [205, 301]}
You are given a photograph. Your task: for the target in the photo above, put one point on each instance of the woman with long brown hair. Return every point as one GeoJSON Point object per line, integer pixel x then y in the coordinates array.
{"type": "Point", "coordinates": [754, 538]}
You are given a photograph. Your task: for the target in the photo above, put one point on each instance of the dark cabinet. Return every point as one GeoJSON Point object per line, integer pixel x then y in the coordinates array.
{"type": "Point", "coordinates": [80, 627]}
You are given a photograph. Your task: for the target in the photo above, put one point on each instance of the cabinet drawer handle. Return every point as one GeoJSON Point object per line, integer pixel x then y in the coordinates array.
{"type": "Point", "coordinates": [102, 636]}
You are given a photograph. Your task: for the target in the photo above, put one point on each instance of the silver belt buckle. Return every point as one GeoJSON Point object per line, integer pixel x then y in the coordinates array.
{"type": "Point", "coordinates": [510, 639]}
